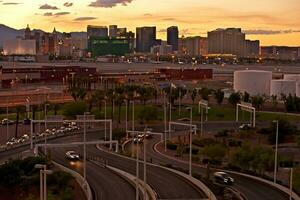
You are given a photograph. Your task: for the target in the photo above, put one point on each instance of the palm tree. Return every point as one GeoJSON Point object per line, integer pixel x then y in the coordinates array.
{"type": "Point", "coordinates": [19, 110]}
{"type": "Point", "coordinates": [193, 94]}
{"type": "Point", "coordinates": [219, 95]}
{"type": "Point", "coordinates": [274, 101]}
{"type": "Point", "coordinates": [204, 93]}
{"type": "Point", "coordinates": [98, 96]}
{"type": "Point", "coordinates": [111, 96]}
{"type": "Point", "coordinates": [146, 93]}
{"type": "Point", "coordinates": [119, 98]}
{"type": "Point", "coordinates": [34, 109]}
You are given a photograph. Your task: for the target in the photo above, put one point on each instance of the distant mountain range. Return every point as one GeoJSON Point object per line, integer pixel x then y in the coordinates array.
{"type": "Point", "coordinates": [7, 33]}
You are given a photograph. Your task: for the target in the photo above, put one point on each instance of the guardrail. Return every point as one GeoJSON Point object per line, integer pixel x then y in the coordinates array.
{"type": "Point", "coordinates": [276, 185]}
{"type": "Point", "coordinates": [193, 180]}
{"type": "Point", "coordinates": [237, 193]}
{"type": "Point", "coordinates": [150, 194]}
{"type": "Point", "coordinates": [83, 184]}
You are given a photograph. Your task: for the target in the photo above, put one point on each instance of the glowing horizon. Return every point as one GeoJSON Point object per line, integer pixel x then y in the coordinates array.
{"type": "Point", "coordinates": [273, 23]}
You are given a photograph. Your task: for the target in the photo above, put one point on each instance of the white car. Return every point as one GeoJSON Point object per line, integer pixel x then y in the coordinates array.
{"type": "Point", "coordinates": [72, 155]}
{"type": "Point", "coordinates": [223, 178]}
{"type": "Point", "coordinates": [245, 126]}
{"type": "Point", "coordinates": [25, 137]}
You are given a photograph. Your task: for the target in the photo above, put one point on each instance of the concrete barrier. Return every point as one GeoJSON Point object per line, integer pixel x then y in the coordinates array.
{"type": "Point", "coordinates": [275, 185]}
{"type": "Point", "coordinates": [83, 184]}
{"type": "Point", "coordinates": [150, 194]}
{"type": "Point", "coordinates": [210, 195]}
{"type": "Point", "coordinates": [194, 181]}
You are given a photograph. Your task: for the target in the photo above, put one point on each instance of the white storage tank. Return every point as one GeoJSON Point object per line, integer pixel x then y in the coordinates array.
{"type": "Point", "coordinates": [284, 87]}
{"type": "Point", "coordinates": [254, 82]}
{"type": "Point", "coordinates": [292, 77]}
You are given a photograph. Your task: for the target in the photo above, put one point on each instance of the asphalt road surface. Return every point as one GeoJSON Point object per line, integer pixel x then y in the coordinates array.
{"type": "Point", "coordinates": [252, 189]}
{"type": "Point", "coordinates": [167, 185]}
{"type": "Point", "coordinates": [107, 185]}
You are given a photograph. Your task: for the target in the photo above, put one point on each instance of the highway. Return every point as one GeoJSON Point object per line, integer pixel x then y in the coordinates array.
{"type": "Point", "coordinates": [165, 184]}
{"type": "Point", "coordinates": [107, 185]}
{"type": "Point", "coordinates": [252, 189]}
{"type": "Point", "coordinates": [104, 183]}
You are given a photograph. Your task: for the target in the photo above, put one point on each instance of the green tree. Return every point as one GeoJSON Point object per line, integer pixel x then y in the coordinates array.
{"type": "Point", "coordinates": [257, 101]}
{"type": "Point", "coordinates": [219, 95]}
{"type": "Point", "coordinates": [19, 110]}
{"type": "Point", "coordinates": [274, 101]}
{"type": "Point", "coordinates": [72, 109]}
{"type": "Point", "coordinates": [215, 152]}
{"type": "Point", "coordinates": [193, 94]}
{"type": "Point", "coordinates": [148, 113]}
{"type": "Point", "coordinates": [284, 129]}
{"type": "Point", "coordinates": [246, 97]}
{"type": "Point", "coordinates": [204, 93]}
{"type": "Point", "coordinates": [258, 159]}
{"type": "Point", "coordinates": [234, 98]}
{"type": "Point", "coordinates": [78, 94]}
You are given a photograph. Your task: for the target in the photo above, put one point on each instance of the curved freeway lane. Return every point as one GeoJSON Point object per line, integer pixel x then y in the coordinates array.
{"type": "Point", "coordinates": [167, 185]}
{"type": "Point", "coordinates": [252, 189]}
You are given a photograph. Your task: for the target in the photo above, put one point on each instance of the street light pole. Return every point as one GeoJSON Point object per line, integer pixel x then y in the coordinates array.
{"type": "Point", "coordinates": [41, 185]}
{"type": "Point", "coordinates": [201, 124]}
{"type": "Point", "coordinates": [7, 131]}
{"type": "Point", "coordinates": [46, 128]}
{"type": "Point", "coordinates": [132, 149]}
{"type": "Point", "coordinates": [84, 146]}
{"type": "Point", "coordinates": [291, 184]}
{"type": "Point", "coordinates": [276, 151]}
{"type": "Point", "coordinates": [43, 180]}
{"type": "Point", "coordinates": [145, 166]}
{"type": "Point", "coordinates": [105, 135]}
{"type": "Point", "coordinates": [190, 140]}
{"type": "Point", "coordinates": [137, 168]}
{"type": "Point", "coordinates": [165, 119]}
{"type": "Point", "coordinates": [126, 118]}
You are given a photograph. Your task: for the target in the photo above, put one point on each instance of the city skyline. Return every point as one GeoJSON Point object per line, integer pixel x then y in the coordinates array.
{"type": "Point", "coordinates": [272, 25]}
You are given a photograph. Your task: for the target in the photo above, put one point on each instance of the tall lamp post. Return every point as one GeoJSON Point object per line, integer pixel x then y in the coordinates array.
{"type": "Point", "coordinates": [190, 139]}
{"type": "Point", "coordinates": [165, 119]}
{"type": "Point", "coordinates": [132, 126]}
{"type": "Point", "coordinates": [276, 150]}
{"type": "Point", "coordinates": [84, 145]}
{"type": "Point", "coordinates": [46, 127]}
{"type": "Point", "coordinates": [105, 135]}
{"type": "Point", "coordinates": [43, 180]}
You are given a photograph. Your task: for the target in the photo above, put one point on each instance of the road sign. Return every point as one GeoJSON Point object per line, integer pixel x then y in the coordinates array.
{"type": "Point", "coordinates": [246, 106]}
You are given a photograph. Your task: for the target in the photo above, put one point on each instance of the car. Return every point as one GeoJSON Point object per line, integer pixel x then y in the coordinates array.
{"type": "Point", "coordinates": [9, 143]}
{"type": "Point", "coordinates": [184, 119]}
{"type": "Point", "coordinates": [74, 128]}
{"type": "Point", "coordinates": [72, 124]}
{"type": "Point", "coordinates": [72, 155]}
{"type": "Point", "coordinates": [26, 121]}
{"type": "Point", "coordinates": [6, 121]}
{"type": "Point", "coordinates": [139, 138]}
{"type": "Point", "coordinates": [20, 140]}
{"type": "Point", "coordinates": [245, 126]}
{"type": "Point", "coordinates": [68, 129]}
{"type": "Point", "coordinates": [223, 178]}
{"type": "Point", "coordinates": [25, 137]}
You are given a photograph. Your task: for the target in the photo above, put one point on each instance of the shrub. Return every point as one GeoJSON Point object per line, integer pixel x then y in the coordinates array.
{"type": "Point", "coordinates": [171, 145]}
{"type": "Point", "coordinates": [203, 142]}
{"type": "Point", "coordinates": [70, 110]}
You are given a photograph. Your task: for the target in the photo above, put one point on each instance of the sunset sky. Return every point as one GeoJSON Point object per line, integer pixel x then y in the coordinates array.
{"type": "Point", "coordinates": [274, 22]}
